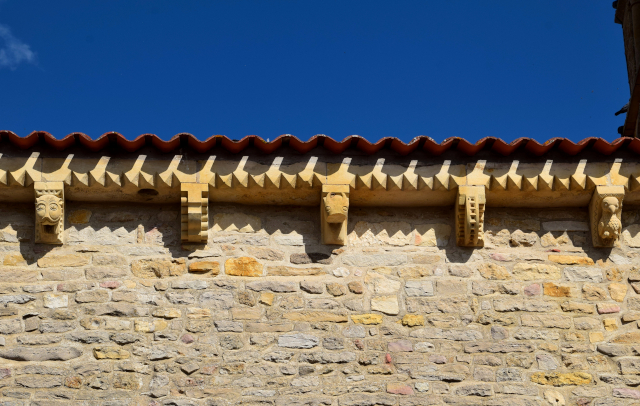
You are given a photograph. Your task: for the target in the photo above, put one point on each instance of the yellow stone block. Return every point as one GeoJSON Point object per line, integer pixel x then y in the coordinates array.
{"type": "Point", "coordinates": [110, 352]}
{"type": "Point", "coordinates": [596, 337]}
{"type": "Point", "coordinates": [81, 216]}
{"type": "Point", "coordinates": [561, 379]}
{"type": "Point", "coordinates": [14, 260]}
{"type": "Point", "coordinates": [412, 320]}
{"type": "Point", "coordinates": [266, 298]}
{"type": "Point", "coordinates": [570, 260]}
{"type": "Point", "coordinates": [367, 318]}
{"type": "Point", "coordinates": [243, 266]}
{"type": "Point", "coordinates": [610, 324]}
{"type": "Point", "coordinates": [205, 267]}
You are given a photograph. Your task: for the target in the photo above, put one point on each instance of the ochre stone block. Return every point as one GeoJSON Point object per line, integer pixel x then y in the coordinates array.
{"type": "Point", "coordinates": [205, 267]}
{"type": "Point", "coordinates": [367, 318]}
{"type": "Point", "coordinates": [243, 266]}
{"type": "Point", "coordinates": [561, 379]}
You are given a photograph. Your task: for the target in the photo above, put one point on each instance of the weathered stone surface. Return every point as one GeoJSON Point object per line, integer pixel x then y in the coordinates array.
{"type": "Point", "coordinates": [528, 272]}
{"type": "Point", "coordinates": [583, 274]}
{"type": "Point", "coordinates": [292, 271]}
{"type": "Point", "coordinates": [243, 266]}
{"type": "Point", "coordinates": [561, 379]}
{"type": "Point", "coordinates": [298, 341]}
{"type": "Point", "coordinates": [373, 260]}
{"type": "Point", "coordinates": [211, 268]}
{"type": "Point", "coordinates": [64, 260]}
{"type": "Point", "coordinates": [273, 286]}
{"type": "Point", "coordinates": [493, 271]}
{"type": "Point", "coordinates": [367, 318]}
{"type": "Point", "coordinates": [316, 317]}
{"type": "Point", "coordinates": [40, 354]}
{"type": "Point", "coordinates": [385, 304]}
{"type": "Point", "coordinates": [419, 288]}
{"type": "Point", "coordinates": [158, 268]}
{"type": "Point", "coordinates": [570, 259]}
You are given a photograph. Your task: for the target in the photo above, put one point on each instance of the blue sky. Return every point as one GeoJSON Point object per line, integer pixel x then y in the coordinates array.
{"type": "Point", "coordinates": [461, 68]}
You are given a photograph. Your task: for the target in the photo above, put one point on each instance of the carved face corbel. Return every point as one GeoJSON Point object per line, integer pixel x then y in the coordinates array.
{"type": "Point", "coordinates": [334, 211]}
{"type": "Point", "coordinates": [470, 216]}
{"type": "Point", "coordinates": [49, 212]}
{"type": "Point", "coordinates": [605, 212]}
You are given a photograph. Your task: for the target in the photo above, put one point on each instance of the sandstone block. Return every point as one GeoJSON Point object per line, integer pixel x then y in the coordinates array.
{"type": "Point", "coordinates": [367, 318]}
{"type": "Point", "coordinates": [583, 274]}
{"type": "Point", "coordinates": [570, 259]}
{"type": "Point", "coordinates": [205, 267]}
{"type": "Point", "coordinates": [273, 286]}
{"type": "Point", "coordinates": [419, 288]}
{"type": "Point", "coordinates": [110, 352]}
{"type": "Point", "coordinates": [527, 272]}
{"type": "Point", "coordinates": [561, 379]}
{"type": "Point", "coordinates": [293, 271]}
{"type": "Point", "coordinates": [618, 291]}
{"type": "Point", "coordinates": [243, 266]}
{"type": "Point", "coordinates": [158, 268]}
{"type": "Point", "coordinates": [81, 216]}
{"type": "Point", "coordinates": [64, 260]}
{"type": "Point", "coordinates": [385, 304]}
{"type": "Point", "coordinates": [314, 317]}
{"type": "Point", "coordinates": [54, 301]}
{"type": "Point", "coordinates": [553, 290]}
{"type": "Point", "coordinates": [413, 320]}
{"type": "Point", "coordinates": [374, 260]}
{"type": "Point", "coordinates": [493, 271]}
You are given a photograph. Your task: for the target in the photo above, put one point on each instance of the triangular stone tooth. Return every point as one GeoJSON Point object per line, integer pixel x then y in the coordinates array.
{"type": "Point", "coordinates": [514, 182]}
{"type": "Point", "coordinates": [165, 178]}
{"type": "Point", "coordinates": [364, 181]}
{"type": "Point", "coordinates": [394, 182]}
{"type": "Point", "coordinates": [426, 182]}
{"type": "Point", "coordinates": [498, 183]}
{"type": "Point", "coordinates": [578, 182]}
{"type": "Point", "coordinates": [272, 182]}
{"type": "Point", "coordinates": [441, 182]}
{"type": "Point", "coordinates": [379, 182]}
{"type": "Point", "coordinates": [561, 184]}
{"type": "Point", "coordinates": [78, 178]}
{"type": "Point", "coordinates": [258, 180]}
{"type": "Point", "coordinates": [591, 183]}
{"type": "Point", "coordinates": [17, 178]}
{"type": "Point", "coordinates": [288, 181]}
{"type": "Point", "coordinates": [113, 179]}
{"type": "Point", "coordinates": [529, 184]}
{"type": "Point", "coordinates": [410, 181]}
{"type": "Point", "coordinates": [146, 181]}
{"type": "Point", "coordinates": [3, 178]}
{"type": "Point", "coordinates": [634, 183]}
{"type": "Point", "coordinates": [224, 181]}
{"type": "Point", "coordinates": [545, 182]}
{"type": "Point", "coordinates": [240, 179]}
{"type": "Point", "coordinates": [212, 181]}
{"type": "Point", "coordinates": [454, 182]}
{"type": "Point", "coordinates": [97, 178]}
{"type": "Point", "coordinates": [304, 181]}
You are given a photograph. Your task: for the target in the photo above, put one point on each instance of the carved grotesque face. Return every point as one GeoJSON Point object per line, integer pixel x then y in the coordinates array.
{"type": "Point", "coordinates": [48, 210]}
{"type": "Point", "coordinates": [610, 204]}
{"type": "Point", "coordinates": [336, 207]}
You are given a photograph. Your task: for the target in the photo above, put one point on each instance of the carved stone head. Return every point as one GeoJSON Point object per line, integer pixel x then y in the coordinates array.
{"type": "Point", "coordinates": [610, 204]}
{"type": "Point", "coordinates": [49, 216]}
{"type": "Point", "coordinates": [336, 207]}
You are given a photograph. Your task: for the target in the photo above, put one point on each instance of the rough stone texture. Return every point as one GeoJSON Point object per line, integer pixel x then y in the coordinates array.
{"type": "Point", "coordinates": [265, 316]}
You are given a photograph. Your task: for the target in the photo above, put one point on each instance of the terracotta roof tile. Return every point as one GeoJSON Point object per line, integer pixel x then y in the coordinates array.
{"type": "Point", "coordinates": [424, 143]}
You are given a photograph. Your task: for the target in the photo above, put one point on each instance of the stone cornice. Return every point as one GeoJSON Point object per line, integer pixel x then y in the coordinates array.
{"type": "Point", "coordinates": [311, 173]}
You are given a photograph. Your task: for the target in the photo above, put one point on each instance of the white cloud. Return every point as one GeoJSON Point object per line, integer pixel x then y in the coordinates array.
{"type": "Point", "coordinates": [13, 51]}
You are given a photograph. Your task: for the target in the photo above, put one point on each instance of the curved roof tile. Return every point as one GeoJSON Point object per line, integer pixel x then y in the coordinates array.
{"type": "Point", "coordinates": [425, 143]}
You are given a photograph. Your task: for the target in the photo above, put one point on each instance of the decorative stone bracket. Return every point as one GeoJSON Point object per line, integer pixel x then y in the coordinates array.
{"type": "Point", "coordinates": [605, 212]}
{"type": "Point", "coordinates": [49, 212]}
{"type": "Point", "coordinates": [195, 212]}
{"type": "Point", "coordinates": [334, 211]}
{"type": "Point", "coordinates": [470, 205]}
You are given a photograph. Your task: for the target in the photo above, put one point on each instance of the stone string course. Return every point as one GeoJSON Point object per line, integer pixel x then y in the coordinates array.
{"type": "Point", "coordinates": [264, 314]}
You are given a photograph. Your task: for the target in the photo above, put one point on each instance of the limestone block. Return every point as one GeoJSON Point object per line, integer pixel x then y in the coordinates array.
{"type": "Point", "coordinates": [243, 266]}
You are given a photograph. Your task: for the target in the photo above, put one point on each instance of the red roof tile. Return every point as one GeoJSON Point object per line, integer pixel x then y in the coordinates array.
{"type": "Point", "coordinates": [427, 144]}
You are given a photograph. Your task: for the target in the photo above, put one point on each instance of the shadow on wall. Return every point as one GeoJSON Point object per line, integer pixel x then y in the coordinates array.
{"type": "Point", "coordinates": [91, 225]}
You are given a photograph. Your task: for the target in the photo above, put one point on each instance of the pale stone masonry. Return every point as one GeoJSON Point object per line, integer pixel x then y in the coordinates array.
{"type": "Point", "coordinates": [468, 282]}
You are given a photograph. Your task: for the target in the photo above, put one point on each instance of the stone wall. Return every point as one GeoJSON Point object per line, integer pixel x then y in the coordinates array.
{"type": "Point", "coordinates": [264, 314]}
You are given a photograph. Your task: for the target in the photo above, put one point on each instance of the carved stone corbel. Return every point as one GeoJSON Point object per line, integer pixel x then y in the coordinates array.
{"type": "Point", "coordinates": [470, 206]}
{"type": "Point", "coordinates": [334, 214]}
{"type": "Point", "coordinates": [605, 212]}
{"type": "Point", "coordinates": [195, 212]}
{"type": "Point", "coordinates": [49, 212]}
